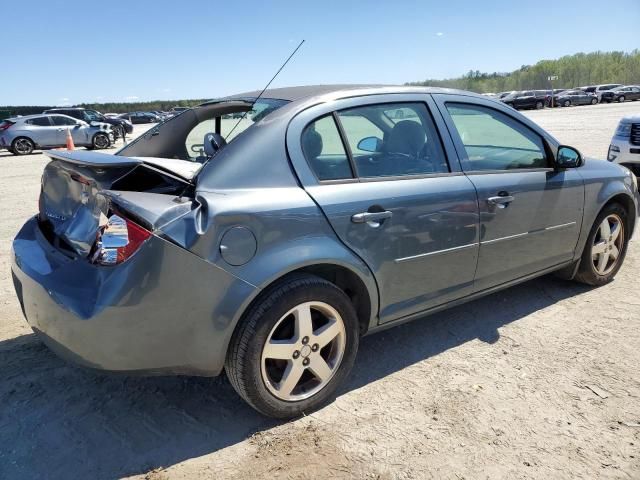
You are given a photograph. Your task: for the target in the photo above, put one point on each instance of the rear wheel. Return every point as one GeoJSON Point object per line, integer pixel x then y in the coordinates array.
{"type": "Point", "coordinates": [22, 146]}
{"type": "Point", "coordinates": [100, 141]}
{"type": "Point", "coordinates": [606, 246]}
{"type": "Point", "coordinates": [621, 98]}
{"type": "Point", "coordinates": [539, 105]}
{"type": "Point", "coordinates": [294, 347]}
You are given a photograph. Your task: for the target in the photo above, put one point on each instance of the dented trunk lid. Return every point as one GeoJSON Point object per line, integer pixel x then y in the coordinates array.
{"type": "Point", "coordinates": [77, 192]}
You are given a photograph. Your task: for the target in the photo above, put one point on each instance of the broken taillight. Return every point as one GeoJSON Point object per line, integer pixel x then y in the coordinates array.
{"type": "Point", "coordinates": [119, 239]}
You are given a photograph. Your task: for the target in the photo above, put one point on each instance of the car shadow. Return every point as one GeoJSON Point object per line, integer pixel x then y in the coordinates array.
{"type": "Point", "coordinates": [60, 421]}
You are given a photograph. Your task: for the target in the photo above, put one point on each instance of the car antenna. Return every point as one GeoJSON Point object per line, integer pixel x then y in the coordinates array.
{"type": "Point", "coordinates": [265, 88]}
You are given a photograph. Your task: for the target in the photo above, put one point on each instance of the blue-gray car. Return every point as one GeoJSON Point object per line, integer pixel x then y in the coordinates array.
{"type": "Point", "coordinates": [264, 235]}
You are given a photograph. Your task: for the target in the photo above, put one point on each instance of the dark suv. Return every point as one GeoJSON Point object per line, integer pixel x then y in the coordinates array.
{"type": "Point", "coordinates": [119, 126]}
{"type": "Point", "coordinates": [527, 99]}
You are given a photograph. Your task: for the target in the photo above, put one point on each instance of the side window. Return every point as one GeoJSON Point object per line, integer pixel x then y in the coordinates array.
{"type": "Point", "coordinates": [57, 120]}
{"type": "Point", "coordinates": [494, 140]}
{"type": "Point", "coordinates": [393, 140]}
{"type": "Point", "coordinates": [323, 149]}
{"type": "Point", "coordinates": [39, 121]}
{"type": "Point", "coordinates": [196, 138]}
{"type": "Point", "coordinates": [91, 116]}
{"type": "Point", "coordinates": [357, 126]}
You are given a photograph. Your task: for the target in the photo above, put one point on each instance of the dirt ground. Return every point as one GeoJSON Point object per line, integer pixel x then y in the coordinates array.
{"type": "Point", "coordinates": [538, 381]}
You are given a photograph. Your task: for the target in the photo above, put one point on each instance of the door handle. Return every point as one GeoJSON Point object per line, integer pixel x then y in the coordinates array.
{"type": "Point", "coordinates": [373, 218]}
{"type": "Point", "coordinates": [501, 201]}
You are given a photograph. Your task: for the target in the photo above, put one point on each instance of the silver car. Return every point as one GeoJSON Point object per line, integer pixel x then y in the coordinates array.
{"type": "Point", "coordinates": [268, 245]}
{"type": "Point", "coordinates": [23, 135]}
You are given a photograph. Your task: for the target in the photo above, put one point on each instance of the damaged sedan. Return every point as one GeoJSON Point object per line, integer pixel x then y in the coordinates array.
{"type": "Point", "coordinates": [264, 236]}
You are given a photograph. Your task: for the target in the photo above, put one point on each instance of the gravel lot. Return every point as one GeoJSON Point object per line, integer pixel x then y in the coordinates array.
{"type": "Point", "coordinates": [538, 381]}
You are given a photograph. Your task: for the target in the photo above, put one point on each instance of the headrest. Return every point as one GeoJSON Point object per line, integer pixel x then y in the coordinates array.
{"type": "Point", "coordinates": [407, 137]}
{"type": "Point", "coordinates": [212, 143]}
{"type": "Point", "coordinates": [311, 143]}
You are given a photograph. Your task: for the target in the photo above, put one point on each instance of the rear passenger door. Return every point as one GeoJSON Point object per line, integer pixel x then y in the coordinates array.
{"type": "Point", "coordinates": [530, 213]}
{"type": "Point", "coordinates": [393, 192]}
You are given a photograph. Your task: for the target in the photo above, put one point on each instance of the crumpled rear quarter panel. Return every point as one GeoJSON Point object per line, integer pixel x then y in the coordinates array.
{"type": "Point", "coordinates": [164, 310]}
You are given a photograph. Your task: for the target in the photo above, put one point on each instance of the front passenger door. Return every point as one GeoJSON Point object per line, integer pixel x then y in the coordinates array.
{"type": "Point", "coordinates": [530, 213]}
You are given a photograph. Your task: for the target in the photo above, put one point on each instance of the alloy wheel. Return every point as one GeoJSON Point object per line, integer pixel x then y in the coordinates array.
{"type": "Point", "coordinates": [101, 141]}
{"type": "Point", "coordinates": [607, 244]}
{"type": "Point", "coordinates": [303, 351]}
{"type": "Point", "coordinates": [23, 146]}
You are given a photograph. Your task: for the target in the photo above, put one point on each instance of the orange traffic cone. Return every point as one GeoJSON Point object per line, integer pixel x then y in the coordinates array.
{"type": "Point", "coordinates": [70, 145]}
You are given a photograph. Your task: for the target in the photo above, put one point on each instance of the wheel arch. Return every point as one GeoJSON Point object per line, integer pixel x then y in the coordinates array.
{"type": "Point", "coordinates": [361, 290]}
{"type": "Point", "coordinates": [629, 205]}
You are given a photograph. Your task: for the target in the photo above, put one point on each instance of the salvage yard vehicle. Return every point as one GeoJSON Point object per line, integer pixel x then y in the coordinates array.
{"type": "Point", "coordinates": [527, 99]}
{"type": "Point", "coordinates": [22, 135]}
{"type": "Point", "coordinates": [625, 144]}
{"type": "Point", "coordinates": [270, 251]}
{"type": "Point", "coordinates": [120, 126]}
{"type": "Point", "coordinates": [622, 94]}
{"type": "Point", "coordinates": [575, 97]}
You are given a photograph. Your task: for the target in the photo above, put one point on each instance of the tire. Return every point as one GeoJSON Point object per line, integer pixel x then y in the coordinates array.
{"type": "Point", "coordinates": [258, 377]}
{"type": "Point", "coordinates": [588, 271]}
{"type": "Point", "coordinates": [100, 141]}
{"type": "Point", "coordinates": [539, 105]}
{"type": "Point", "coordinates": [594, 101]}
{"type": "Point", "coordinates": [118, 131]}
{"type": "Point", "coordinates": [22, 146]}
{"type": "Point", "coordinates": [566, 103]}
{"type": "Point", "coordinates": [621, 98]}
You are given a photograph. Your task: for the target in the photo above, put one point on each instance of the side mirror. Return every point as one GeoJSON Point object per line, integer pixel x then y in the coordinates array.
{"type": "Point", "coordinates": [370, 144]}
{"type": "Point", "coordinates": [568, 157]}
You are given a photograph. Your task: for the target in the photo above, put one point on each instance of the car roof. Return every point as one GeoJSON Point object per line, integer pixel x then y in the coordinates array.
{"type": "Point", "coordinates": [39, 115]}
{"type": "Point", "coordinates": [293, 94]}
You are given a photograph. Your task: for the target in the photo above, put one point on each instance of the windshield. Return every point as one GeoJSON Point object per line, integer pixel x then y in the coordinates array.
{"type": "Point", "coordinates": [92, 115]}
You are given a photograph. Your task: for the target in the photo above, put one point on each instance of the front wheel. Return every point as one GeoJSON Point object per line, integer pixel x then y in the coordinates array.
{"type": "Point", "coordinates": [606, 246]}
{"type": "Point", "coordinates": [594, 101]}
{"type": "Point", "coordinates": [621, 98]}
{"type": "Point", "coordinates": [566, 103]}
{"type": "Point", "coordinates": [100, 141]}
{"type": "Point", "coordinates": [539, 105]}
{"type": "Point", "coordinates": [294, 347]}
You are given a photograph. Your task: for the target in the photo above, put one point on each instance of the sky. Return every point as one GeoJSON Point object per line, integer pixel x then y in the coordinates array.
{"type": "Point", "coordinates": [67, 52]}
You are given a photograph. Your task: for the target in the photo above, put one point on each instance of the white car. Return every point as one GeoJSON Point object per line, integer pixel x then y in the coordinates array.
{"type": "Point", "coordinates": [23, 135]}
{"type": "Point", "coordinates": [625, 144]}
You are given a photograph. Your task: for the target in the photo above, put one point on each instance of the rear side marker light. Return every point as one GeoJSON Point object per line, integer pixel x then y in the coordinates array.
{"type": "Point", "coordinates": [118, 241]}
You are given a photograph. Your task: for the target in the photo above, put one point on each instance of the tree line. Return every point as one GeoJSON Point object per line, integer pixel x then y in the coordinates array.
{"type": "Point", "coordinates": [572, 70]}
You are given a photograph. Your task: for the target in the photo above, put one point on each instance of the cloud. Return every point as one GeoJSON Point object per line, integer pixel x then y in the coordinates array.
{"type": "Point", "coordinates": [131, 98]}
{"type": "Point", "coordinates": [439, 34]}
